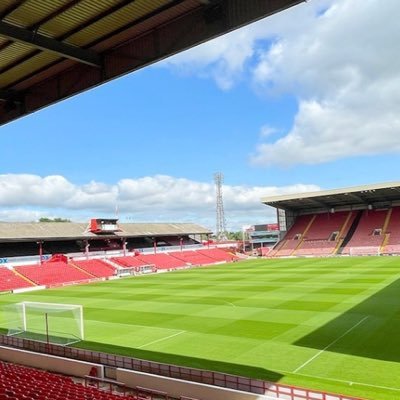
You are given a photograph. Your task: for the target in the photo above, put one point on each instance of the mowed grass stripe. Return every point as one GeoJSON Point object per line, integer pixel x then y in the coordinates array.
{"type": "Point", "coordinates": [254, 318]}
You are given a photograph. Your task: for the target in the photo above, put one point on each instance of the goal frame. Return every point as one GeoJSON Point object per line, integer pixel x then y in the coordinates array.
{"type": "Point", "coordinates": [57, 307]}
{"type": "Point", "coordinates": [365, 251]}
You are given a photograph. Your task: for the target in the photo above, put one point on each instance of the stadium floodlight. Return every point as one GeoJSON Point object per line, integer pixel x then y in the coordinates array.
{"type": "Point", "coordinates": [47, 322]}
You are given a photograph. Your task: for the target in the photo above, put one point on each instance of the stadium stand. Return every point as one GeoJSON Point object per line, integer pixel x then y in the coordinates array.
{"type": "Point", "coordinates": [61, 270]}
{"type": "Point", "coordinates": [295, 235]}
{"type": "Point", "coordinates": [326, 234]}
{"type": "Point", "coordinates": [8, 249]}
{"type": "Point", "coordinates": [219, 255]}
{"type": "Point", "coordinates": [360, 220]}
{"type": "Point", "coordinates": [53, 273]}
{"type": "Point", "coordinates": [391, 244]}
{"type": "Point", "coordinates": [162, 261]}
{"type": "Point", "coordinates": [61, 246]}
{"type": "Point", "coordinates": [192, 257]}
{"type": "Point", "coordinates": [369, 234]}
{"type": "Point", "coordinates": [97, 268]}
{"type": "Point", "coordinates": [128, 262]}
{"type": "Point", "coordinates": [10, 280]}
{"type": "Point", "coordinates": [23, 383]}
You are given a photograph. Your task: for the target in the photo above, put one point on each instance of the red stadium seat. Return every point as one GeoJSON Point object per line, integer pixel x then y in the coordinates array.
{"type": "Point", "coordinates": [9, 280]}
{"type": "Point", "coordinates": [22, 383]}
{"type": "Point", "coordinates": [53, 273]}
{"type": "Point", "coordinates": [95, 267]}
{"type": "Point", "coordinates": [369, 235]}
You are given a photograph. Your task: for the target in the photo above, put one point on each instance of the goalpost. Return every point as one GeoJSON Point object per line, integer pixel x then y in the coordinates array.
{"type": "Point", "coordinates": [46, 322]}
{"type": "Point", "coordinates": [365, 251]}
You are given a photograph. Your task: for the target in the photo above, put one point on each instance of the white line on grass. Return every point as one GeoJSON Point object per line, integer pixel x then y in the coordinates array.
{"type": "Point", "coordinates": [132, 325]}
{"type": "Point", "coordinates": [351, 383]}
{"type": "Point", "coordinates": [228, 302]}
{"type": "Point", "coordinates": [329, 345]}
{"type": "Point", "coordinates": [160, 340]}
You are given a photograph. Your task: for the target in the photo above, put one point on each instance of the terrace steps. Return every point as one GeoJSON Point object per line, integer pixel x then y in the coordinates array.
{"type": "Point", "coordinates": [301, 241]}
{"type": "Point", "coordinates": [387, 220]}
{"type": "Point", "coordinates": [341, 233]}
{"type": "Point", "coordinates": [350, 232]}
{"type": "Point", "coordinates": [81, 269]}
{"type": "Point", "coordinates": [23, 277]}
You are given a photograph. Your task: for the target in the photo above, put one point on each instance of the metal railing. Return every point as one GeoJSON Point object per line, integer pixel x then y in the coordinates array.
{"type": "Point", "coordinates": [251, 385]}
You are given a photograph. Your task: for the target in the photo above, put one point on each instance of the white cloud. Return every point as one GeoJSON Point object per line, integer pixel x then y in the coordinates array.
{"type": "Point", "coordinates": [267, 131]}
{"type": "Point", "coordinates": [21, 214]}
{"type": "Point", "coordinates": [346, 73]}
{"type": "Point", "coordinates": [338, 58]}
{"type": "Point", "coordinates": [226, 58]}
{"type": "Point", "coordinates": [222, 59]}
{"type": "Point", "coordinates": [154, 198]}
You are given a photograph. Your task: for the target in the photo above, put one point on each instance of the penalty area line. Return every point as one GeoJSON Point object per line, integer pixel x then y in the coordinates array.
{"type": "Point", "coordinates": [329, 345]}
{"type": "Point", "coordinates": [160, 340]}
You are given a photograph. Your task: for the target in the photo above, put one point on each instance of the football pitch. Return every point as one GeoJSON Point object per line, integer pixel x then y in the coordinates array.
{"type": "Point", "coordinates": [327, 324]}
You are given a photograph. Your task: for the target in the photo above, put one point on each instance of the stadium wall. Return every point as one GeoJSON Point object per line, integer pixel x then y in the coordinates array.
{"type": "Point", "coordinates": [178, 388]}
{"type": "Point", "coordinates": [51, 363]}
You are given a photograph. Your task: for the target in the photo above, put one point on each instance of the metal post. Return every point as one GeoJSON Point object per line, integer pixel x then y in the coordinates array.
{"type": "Point", "coordinates": [87, 249]}
{"type": "Point", "coordinates": [124, 246]}
{"type": "Point", "coordinates": [40, 243]}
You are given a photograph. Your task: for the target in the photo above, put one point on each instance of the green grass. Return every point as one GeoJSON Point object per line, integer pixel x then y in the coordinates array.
{"type": "Point", "coordinates": [328, 324]}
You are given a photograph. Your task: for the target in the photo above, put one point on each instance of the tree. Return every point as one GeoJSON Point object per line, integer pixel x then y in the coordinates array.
{"type": "Point", "coordinates": [234, 235]}
{"type": "Point", "coordinates": [45, 219]}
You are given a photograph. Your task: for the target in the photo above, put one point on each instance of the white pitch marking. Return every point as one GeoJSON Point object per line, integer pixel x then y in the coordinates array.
{"type": "Point", "coordinates": [231, 304]}
{"type": "Point", "coordinates": [329, 345]}
{"type": "Point", "coordinates": [160, 340]}
{"type": "Point", "coordinates": [341, 380]}
{"type": "Point", "coordinates": [132, 325]}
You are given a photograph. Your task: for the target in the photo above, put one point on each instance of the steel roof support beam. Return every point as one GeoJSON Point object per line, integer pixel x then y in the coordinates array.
{"type": "Point", "coordinates": [126, 50]}
{"type": "Point", "coordinates": [45, 43]}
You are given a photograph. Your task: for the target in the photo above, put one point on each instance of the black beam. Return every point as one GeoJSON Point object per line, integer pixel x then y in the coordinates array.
{"type": "Point", "coordinates": [88, 23]}
{"type": "Point", "coordinates": [42, 21]}
{"type": "Point", "coordinates": [45, 43]}
{"type": "Point", "coordinates": [178, 32]}
{"type": "Point", "coordinates": [67, 34]}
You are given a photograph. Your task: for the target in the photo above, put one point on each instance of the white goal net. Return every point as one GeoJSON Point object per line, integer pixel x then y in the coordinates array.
{"type": "Point", "coordinates": [365, 251]}
{"type": "Point", "coordinates": [46, 322]}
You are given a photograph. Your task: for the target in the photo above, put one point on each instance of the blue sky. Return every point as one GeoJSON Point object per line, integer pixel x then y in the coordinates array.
{"type": "Point", "coordinates": [303, 100]}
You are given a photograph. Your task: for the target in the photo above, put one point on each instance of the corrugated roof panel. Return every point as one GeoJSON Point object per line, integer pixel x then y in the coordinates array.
{"type": "Point", "coordinates": [13, 52]}
{"type": "Point", "coordinates": [72, 18]}
{"type": "Point", "coordinates": [3, 40]}
{"type": "Point", "coordinates": [40, 60]}
{"type": "Point", "coordinates": [32, 11]}
{"type": "Point", "coordinates": [5, 4]}
{"type": "Point", "coordinates": [149, 23]}
{"type": "Point", "coordinates": [116, 20]}
{"type": "Point", "coordinates": [76, 16]}
{"type": "Point", "coordinates": [20, 230]}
